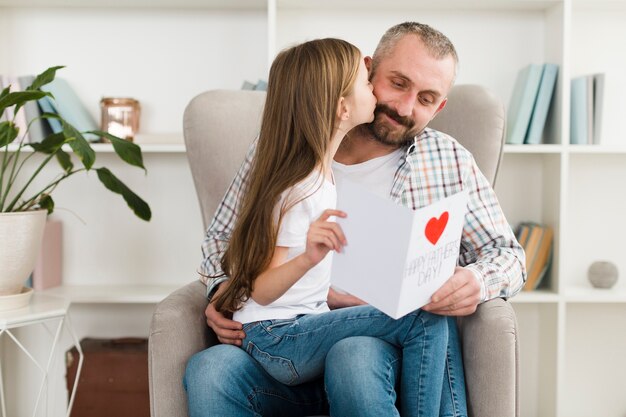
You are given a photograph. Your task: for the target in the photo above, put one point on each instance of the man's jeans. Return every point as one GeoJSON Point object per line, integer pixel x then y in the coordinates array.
{"type": "Point", "coordinates": [294, 351]}
{"type": "Point", "coordinates": [361, 376]}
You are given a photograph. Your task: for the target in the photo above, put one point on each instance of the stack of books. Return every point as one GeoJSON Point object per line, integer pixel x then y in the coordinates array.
{"type": "Point", "coordinates": [586, 109]}
{"type": "Point", "coordinates": [530, 104]}
{"type": "Point", "coordinates": [537, 241]}
{"type": "Point", "coordinates": [260, 85]}
{"type": "Point", "coordinates": [64, 102]}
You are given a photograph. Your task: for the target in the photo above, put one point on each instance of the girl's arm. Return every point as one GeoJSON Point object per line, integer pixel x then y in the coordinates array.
{"type": "Point", "coordinates": [322, 237]}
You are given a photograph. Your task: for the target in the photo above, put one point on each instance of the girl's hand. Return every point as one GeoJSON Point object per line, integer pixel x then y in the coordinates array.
{"type": "Point", "coordinates": [324, 236]}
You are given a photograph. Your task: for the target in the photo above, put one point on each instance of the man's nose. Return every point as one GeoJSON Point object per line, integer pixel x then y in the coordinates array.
{"type": "Point", "coordinates": [405, 104]}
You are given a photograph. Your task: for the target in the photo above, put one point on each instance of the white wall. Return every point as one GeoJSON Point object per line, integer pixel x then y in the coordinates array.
{"type": "Point", "coordinates": [161, 57]}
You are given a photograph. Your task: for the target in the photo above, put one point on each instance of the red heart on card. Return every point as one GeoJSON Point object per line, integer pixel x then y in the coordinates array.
{"type": "Point", "coordinates": [435, 227]}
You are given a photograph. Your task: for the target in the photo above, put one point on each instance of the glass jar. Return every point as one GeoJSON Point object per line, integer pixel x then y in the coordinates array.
{"type": "Point", "coordinates": [120, 117]}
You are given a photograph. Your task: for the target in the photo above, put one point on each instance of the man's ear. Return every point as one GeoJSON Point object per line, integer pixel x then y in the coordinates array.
{"type": "Point", "coordinates": [343, 112]}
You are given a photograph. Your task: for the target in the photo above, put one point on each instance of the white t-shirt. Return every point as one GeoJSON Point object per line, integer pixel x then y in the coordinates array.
{"type": "Point", "coordinates": [308, 295]}
{"type": "Point", "coordinates": [376, 174]}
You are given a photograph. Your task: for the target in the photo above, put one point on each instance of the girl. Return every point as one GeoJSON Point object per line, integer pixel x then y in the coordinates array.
{"type": "Point", "coordinates": [278, 257]}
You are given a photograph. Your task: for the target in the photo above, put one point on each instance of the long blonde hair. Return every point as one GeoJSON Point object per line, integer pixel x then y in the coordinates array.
{"type": "Point", "coordinates": [300, 117]}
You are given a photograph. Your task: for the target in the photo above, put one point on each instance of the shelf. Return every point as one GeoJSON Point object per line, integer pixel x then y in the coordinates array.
{"type": "Point", "coordinates": [572, 149]}
{"type": "Point", "coordinates": [113, 294]}
{"type": "Point", "coordinates": [594, 295]}
{"type": "Point", "coordinates": [296, 4]}
{"type": "Point", "coordinates": [151, 4]}
{"type": "Point", "coordinates": [419, 4]}
{"type": "Point", "coordinates": [535, 297]}
{"type": "Point", "coordinates": [604, 5]}
{"type": "Point", "coordinates": [108, 148]}
{"type": "Point", "coordinates": [145, 147]}
{"type": "Point", "coordinates": [534, 149]}
{"type": "Point", "coordinates": [597, 149]}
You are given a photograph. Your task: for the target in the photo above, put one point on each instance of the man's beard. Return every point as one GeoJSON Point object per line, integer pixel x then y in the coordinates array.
{"type": "Point", "coordinates": [384, 133]}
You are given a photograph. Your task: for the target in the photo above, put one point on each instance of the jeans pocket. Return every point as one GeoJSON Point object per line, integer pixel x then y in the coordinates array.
{"type": "Point", "coordinates": [281, 369]}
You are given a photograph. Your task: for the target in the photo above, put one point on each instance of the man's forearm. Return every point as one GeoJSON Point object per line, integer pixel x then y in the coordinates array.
{"type": "Point", "coordinates": [500, 269]}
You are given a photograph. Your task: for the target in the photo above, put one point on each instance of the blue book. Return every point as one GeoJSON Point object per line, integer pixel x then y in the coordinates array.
{"type": "Point", "coordinates": [522, 103]}
{"type": "Point", "coordinates": [70, 107]}
{"type": "Point", "coordinates": [261, 86]}
{"type": "Point", "coordinates": [47, 105]}
{"type": "Point", "coordinates": [579, 117]}
{"type": "Point", "coordinates": [39, 128]}
{"type": "Point", "coordinates": [598, 105]}
{"type": "Point", "coordinates": [542, 104]}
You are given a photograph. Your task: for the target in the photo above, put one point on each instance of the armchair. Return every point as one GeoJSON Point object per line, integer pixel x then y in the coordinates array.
{"type": "Point", "coordinates": [218, 128]}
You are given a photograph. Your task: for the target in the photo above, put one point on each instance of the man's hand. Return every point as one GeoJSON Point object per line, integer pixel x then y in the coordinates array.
{"type": "Point", "coordinates": [339, 300]}
{"type": "Point", "coordinates": [228, 331]}
{"type": "Point", "coordinates": [459, 296]}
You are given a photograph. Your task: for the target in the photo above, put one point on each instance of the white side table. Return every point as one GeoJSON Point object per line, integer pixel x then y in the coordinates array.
{"type": "Point", "coordinates": [42, 310]}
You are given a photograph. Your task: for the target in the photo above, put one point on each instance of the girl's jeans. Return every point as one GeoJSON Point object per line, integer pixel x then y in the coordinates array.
{"type": "Point", "coordinates": [294, 351]}
{"type": "Point", "coordinates": [360, 380]}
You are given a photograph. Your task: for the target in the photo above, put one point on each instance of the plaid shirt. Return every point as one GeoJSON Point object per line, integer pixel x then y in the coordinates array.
{"type": "Point", "coordinates": [435, 166]}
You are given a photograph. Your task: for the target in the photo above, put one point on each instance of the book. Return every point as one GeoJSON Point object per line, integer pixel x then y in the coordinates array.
{"type": "Point", "coordinates": [20, 118]}
{"type": "Point", "coordinates": [47, 105]}
{"type": "Point", "coordinates": [39, 128]}
{"type": "Point", "coordinates": [261, 85]}
{"type": "Point", "coordinates": [67, 105]}
{"type": "Point", "coordinates": [522, 234]}
{"type": "Point", "coordinates": [531, 247]}
{"type": "Point", "coordinates": [522, 103]}
{"type": "Point", "coordinates": [396, 258]}
{"type": "Point", "coordinates": [541, 260]}
{"type": "Point", "coordinates": [579, 121]}
{"type": "Point", "coordinates": [598, 106]}
{"type": "Point", "coordinates": [3, 115]}
{"type": "Point", "coordinates": [247, 85]}
{"type": "Point", "coordinates": [589, 109]}
{"type": "Point", "coordinates": [542, 104]}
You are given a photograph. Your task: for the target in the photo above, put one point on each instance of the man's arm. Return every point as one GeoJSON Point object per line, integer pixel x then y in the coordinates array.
{"type": "Point", "coordinates": [213, 248]}
{"type": "Point", "coordinates": [492, 262]}
{"type": "Point", "coordinates": [221, 227]}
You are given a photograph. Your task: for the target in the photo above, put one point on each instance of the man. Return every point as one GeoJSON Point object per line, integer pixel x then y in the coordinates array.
{"type": "Point", "coordinates": [412, 71]}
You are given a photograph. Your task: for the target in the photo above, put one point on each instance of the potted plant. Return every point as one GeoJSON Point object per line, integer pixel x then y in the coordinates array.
{"type": "Point", "coordinates": [23, 210]}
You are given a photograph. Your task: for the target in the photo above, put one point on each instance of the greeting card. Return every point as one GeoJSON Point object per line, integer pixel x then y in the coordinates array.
{"type": "Point", "coordinates": [396, 258]}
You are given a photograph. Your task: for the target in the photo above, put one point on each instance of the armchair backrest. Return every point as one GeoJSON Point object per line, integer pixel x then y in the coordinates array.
{"type": "Point", "coordinates": [220, 125]}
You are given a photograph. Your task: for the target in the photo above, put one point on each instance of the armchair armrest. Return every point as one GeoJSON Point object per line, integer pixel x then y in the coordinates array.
{"type": "Point", "coordinates": [178, 330]}
{"type": "Point", "coordinates": [490, 358]}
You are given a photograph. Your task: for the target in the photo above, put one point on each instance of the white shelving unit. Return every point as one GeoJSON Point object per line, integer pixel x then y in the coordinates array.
{"type": "Point", "coordinates": [164, 52]}
{"type": "Point", "coordinates": [112, 294]}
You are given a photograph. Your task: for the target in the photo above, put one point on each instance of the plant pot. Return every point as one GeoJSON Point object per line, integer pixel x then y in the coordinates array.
{"type": "Point", "coordinates": [21, 234]}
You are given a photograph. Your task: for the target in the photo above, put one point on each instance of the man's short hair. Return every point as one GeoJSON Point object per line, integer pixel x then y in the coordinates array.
{"type": "Point", "coordinates": [436, 42]}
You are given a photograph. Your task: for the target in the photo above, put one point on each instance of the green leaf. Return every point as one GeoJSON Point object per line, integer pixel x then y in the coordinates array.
{"type": "Point", "coordinates": [8, 133]}
{"type": "Point", "coordinates": [18, 99]}
{"type": "Point", "coordinates": [139, 207]}
{"type": "Point", "coordinates": [64, 160]}
{"type": "Point", "coordinates": [128, 151]}
{"type": "Point", "coordinates": [51, 144]}
{"type": "Point", "coordinates": [44, 78]}
{"type": "Point", "coordinates": [46, 202]}
{"type": "Point", "coordinates": [79, 145]}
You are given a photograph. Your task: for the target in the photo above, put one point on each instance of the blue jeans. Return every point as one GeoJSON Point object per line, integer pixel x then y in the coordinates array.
{"type": "Point", "coordinates": [224, 381]}
{"type": "Point", "coordinates": [377, 364]}
{"type": "Point", "coordinates": [294, 351]}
